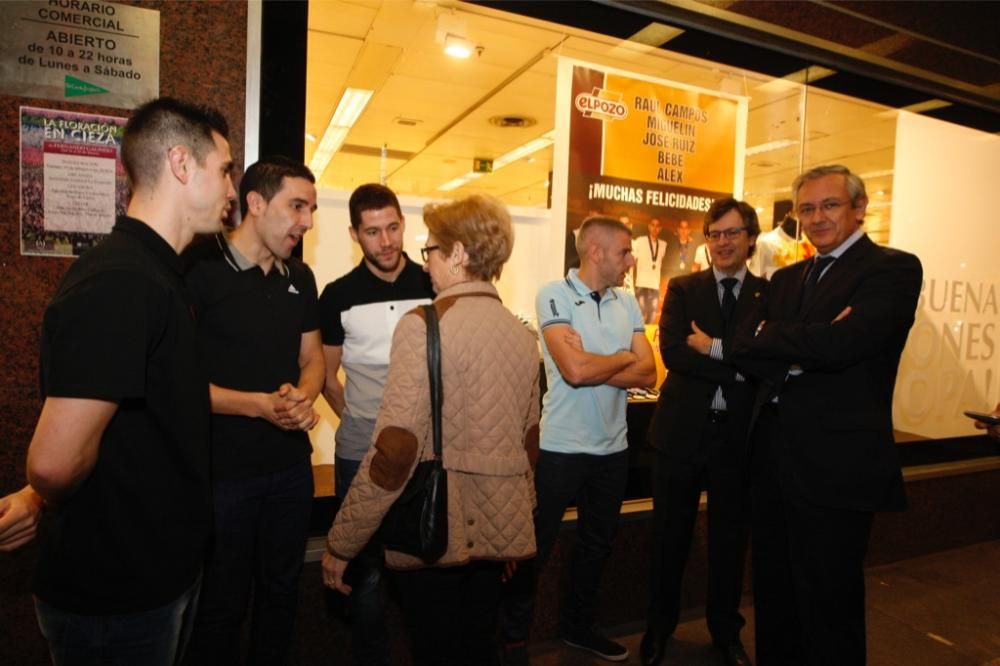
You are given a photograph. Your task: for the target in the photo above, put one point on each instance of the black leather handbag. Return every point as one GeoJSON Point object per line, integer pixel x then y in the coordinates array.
{"type": "Point", "coordinates": [417, 522]}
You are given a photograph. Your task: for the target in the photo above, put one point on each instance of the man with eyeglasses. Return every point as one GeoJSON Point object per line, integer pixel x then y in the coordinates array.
{"type": "Point", "coordinates": [824, 456]}
{"type": "Point", "coordinates": [358, 314]}
{"type": "Point", "coordinates": [700, 432]}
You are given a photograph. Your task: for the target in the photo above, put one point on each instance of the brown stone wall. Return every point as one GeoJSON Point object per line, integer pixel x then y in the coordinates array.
{"type": "Point", "coordinates": [202, 58]}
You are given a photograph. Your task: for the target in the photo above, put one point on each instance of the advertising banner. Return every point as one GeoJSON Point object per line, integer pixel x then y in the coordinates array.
{"type": "Point", "coordinates": [652, 153]}
{"type": "Point", "coordinates": [72, 180]}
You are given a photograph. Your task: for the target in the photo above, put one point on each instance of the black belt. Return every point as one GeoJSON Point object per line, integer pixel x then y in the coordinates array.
{"type": "Point", "coordinates": [717, 416]}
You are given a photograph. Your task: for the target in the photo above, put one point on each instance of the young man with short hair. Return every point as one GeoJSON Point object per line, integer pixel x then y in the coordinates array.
{"type": "Point", "coordinates": [260, 345]}
{"type": "Point", "coordinates": [120, 452]}
{"type": "Point", "coordinates": [358, 314]}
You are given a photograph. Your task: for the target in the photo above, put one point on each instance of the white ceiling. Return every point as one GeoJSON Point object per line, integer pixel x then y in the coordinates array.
{"type": "Point", "coordinates": [392, 48]}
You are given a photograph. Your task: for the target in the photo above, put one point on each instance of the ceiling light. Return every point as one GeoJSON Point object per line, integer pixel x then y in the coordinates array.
{"type": "Point", "coordinates": [352, 103]}
{"type": "Point", "coordinates": [929, 105]}
{"type": "Point", "coordinates": [805, 76]}
{"type": "Point", "coordinates": [458, 182]}
{"type": "Point", "coordinates": [876, 174]}
{"type": "Point", "coordinates": [533, 146]}
{"type": "Point", "coordinates": [771, 145]}
{"type": "Point", "coordinates": [457, 47]}
{"type": "Point", "coordinates": [656, 34]}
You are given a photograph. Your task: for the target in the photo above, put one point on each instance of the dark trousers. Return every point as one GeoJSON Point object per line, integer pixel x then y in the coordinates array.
{"type": "Point", "coordinates": [675, 508]}
{"type": "Point", "coordinates": [261, 524]}
{"type": "Point", "coordinates": [451, 613]}
{"type": "Point", "coordinates": [808, 576]}
{"type": "Point", "coordinates": [597, 483]}
{"type": "Point", "coordinates": [366, 576]}
{"type": "Point", "coordinates": [155, 637]}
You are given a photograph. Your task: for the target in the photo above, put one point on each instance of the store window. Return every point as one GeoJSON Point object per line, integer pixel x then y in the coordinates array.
{"type": "Point", "coordinates": [386, 102]}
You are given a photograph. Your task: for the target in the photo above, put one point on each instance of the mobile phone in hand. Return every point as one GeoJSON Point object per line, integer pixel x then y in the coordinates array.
{"type": "Point", "coordinates": [988, 419]}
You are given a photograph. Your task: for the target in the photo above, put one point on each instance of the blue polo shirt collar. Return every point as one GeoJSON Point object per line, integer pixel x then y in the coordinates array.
{"type": "Point", "coordinates": [578, 285]}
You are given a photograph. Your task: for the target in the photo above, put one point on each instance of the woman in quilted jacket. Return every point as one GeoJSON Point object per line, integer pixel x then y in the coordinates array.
{"type": "Point", "coordinates": [489, 369]}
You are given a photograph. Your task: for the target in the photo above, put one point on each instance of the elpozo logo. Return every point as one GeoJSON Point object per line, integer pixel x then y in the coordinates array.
{"type": "Point", "coordinates": [601, 104]}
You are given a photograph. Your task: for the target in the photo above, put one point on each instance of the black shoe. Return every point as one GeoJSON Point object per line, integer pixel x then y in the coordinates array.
{"type": "Point", "coordinates": [733, 654]}
{"type": "Point", "coordinates": [653, 646]}
{"type": "Point", "coordinates": [595, 643]}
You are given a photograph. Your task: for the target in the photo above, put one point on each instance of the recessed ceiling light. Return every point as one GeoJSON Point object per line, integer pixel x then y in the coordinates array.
{"type": "Point", "coordinates": [769, 146]}
{"type": "Point", "coordinates": [352, 103]}
{"type": "Point", "coordinates": [457, 47]}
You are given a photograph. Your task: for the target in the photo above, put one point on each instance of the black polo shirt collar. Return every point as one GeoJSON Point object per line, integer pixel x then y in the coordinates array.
{"type": "Point", "coordinates": [237, 261]}
{"type": "Point", "coordinates": [154, 241]}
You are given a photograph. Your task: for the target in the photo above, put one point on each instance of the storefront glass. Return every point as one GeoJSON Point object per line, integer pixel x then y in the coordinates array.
{"type": "Point", "coordinates": [437, 127]}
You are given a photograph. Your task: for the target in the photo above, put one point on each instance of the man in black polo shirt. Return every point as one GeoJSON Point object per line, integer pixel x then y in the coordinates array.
{"type": "Point", "coordinates": [358, 314]}
{"type": "Point", "coordinates": [260, 344]}
{"type": "Point", "coordinates": [120, 453]}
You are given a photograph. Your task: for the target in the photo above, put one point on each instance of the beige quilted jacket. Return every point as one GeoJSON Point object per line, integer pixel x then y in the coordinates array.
{"type": "Point", "coordinates": [489, 370]}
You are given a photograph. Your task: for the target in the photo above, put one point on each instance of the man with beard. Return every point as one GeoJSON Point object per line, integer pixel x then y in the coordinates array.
{"type": "Point", "coordinates": [260, 345]}
{"type": "Point", "coordinates": [595, 347]}
{"type": "Point", "coordinates": [358, 314]}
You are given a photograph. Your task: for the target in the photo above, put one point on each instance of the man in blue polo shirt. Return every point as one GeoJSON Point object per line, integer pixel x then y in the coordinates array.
{"type": "Point", "coordinates": [595, 347]}
{"type": "Point", "coordinates": [358, 314]}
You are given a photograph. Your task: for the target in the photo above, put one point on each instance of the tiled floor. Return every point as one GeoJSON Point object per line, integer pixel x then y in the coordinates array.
{"type": "Point", "coordinates": [938, 610]}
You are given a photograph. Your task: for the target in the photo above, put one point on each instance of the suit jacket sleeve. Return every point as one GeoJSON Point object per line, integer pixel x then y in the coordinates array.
{"type": "Point", "coordinates": [882, 308]}
{"type": "Point", "coordinates": [675, 326]}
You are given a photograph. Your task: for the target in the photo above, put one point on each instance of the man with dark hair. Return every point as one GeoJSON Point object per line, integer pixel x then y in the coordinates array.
{"type": "Point", "coordinates": [156, 127]}
{"type": "Point", "coordinates": [120, 452]}
{"type": "Point", "coordinates": [824, 456]}
{"type": "Point", "coordinates": [358, 314]}
{"type": "Point", "coordinates": [700, 432]}
{"type": "Point", "coordinates": [260, 345]}
{"type": "Point", "coordinates": [595, 347]}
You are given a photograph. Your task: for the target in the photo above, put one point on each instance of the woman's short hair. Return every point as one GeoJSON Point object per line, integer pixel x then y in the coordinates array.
{"type": "Point", "coordinates": [481, 224]}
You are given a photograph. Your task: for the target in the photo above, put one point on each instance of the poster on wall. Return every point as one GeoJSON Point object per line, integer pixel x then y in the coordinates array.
{"type": "Point", "coordinates": [654, 154]}
{"type": "Point", "coordinates": [951, 362]}
{"type": "Point", "coordinates": [85, 51]}
{"type": "Point", "coordinates": [72, 180]}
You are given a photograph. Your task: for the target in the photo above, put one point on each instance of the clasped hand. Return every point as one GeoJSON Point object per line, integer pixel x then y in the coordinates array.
{"type": "Point", "coordinates": [290, 408]}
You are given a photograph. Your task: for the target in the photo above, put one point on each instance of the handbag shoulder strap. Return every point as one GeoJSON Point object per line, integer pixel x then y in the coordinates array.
{"type": "Point", "coordinates": [434, 372]}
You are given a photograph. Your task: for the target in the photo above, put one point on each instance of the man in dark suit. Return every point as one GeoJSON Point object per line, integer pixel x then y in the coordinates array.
{"type": "Point", "coordinates": [700, 432]}
{"type": "Point", "coordinates": [824, 458]}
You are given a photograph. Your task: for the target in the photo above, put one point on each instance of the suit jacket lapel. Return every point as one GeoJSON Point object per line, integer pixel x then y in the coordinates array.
{"type": "Point", "coordinates": [749, 296]}
{"type": "Point", "coordinates": [787, 301]}
{"type": "Point", "coordinates": [846, 264]}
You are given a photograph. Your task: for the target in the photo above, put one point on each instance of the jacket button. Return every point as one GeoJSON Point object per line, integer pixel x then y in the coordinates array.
{"type": "Point", "coordinates": [468, 544]}
{"type": "Point", "coordinates": [472, 521]}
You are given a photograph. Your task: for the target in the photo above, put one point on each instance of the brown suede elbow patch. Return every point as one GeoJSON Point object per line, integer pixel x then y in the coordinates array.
{"type": "Point", "coordinates": [395, 451]}
{"type": "Point", "coordinates": [531, 445]}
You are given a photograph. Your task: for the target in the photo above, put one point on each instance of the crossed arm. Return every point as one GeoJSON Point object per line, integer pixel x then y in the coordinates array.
{"type": "Point", "coordinates": [579, 367]}
{"type": "Point", "coordinates": [290, 406]}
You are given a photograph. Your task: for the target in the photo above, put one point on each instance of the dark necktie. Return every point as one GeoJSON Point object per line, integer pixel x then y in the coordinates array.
{"type": "Point", "coordinates": [728, 299]}
{"type": "Point", "coordinates": [816, 269]}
